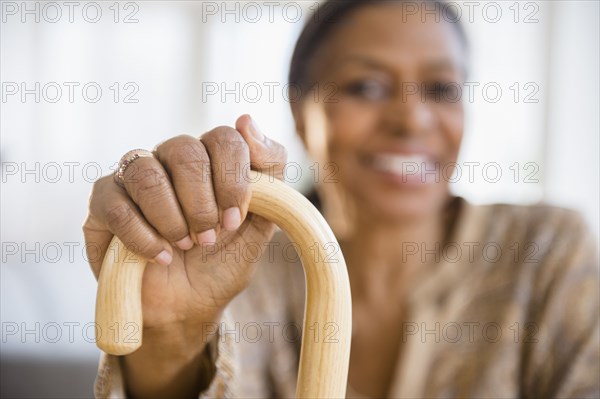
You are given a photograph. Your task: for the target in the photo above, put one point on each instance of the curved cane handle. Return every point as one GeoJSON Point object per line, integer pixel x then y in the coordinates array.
{"type": "Point", "coordinates": [323, 368]}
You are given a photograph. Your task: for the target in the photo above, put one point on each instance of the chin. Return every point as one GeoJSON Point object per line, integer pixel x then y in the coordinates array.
{"type": "Point", "coordinates": [401, 206]}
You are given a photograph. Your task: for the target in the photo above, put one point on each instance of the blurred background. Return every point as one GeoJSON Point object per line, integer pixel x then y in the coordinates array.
{"type": "Point", "coordinates": [84, 82]}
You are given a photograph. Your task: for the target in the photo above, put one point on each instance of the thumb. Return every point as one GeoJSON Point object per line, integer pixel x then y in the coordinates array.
{"type": "Point", "coordinates": [266, 155]}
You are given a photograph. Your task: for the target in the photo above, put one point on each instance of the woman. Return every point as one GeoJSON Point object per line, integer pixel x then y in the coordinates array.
{"type": "Point", "coordinates": [435, 312]}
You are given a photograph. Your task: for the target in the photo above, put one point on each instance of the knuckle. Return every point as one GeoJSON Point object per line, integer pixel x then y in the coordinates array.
{"type": "Point", "coordinates": [166, 145]}
{"type": "Point", "coordinates": [217, 132]}
{"type": "Point", "coordinates": [149, 180]}
{"type": "Point", "coordinates": [225, 135]}
{"type": "Point", "coordinates": [204, 216]}
{"type": "Point", "coordinates": [186, 153]}
{"type": "Point", "coordinates": [102, 181]}
{"type": "Point", "coordinates": [96, 186]}
{"type": "Point", "coordinates": [178, 146]}
{"type": "Point", "coordinates": [119, 217]}
{"type": "Point", "coordinates": [99, 187]}
{"type": "Point", "coordinates": [201, 226]}
{"type": "Point", "coordinates": [176, 232]}
{"type": "Point", "coordinates": [148, 248]}
{"type": "Point", "coordinates": [94, 198]}
{"type": "Point", "coordinates": [186, 157]}
{"type": "Point", "coordinates": [237, 192]}
{"type": "Point", "coordinates": [100, 195]}
{"type": "Point", "coordinates": [281, 154]}
{"type": "Point", "coordinates": [94, 194]}
{"type": "Point", "coordinates": [189, 156]}
{"type": "Point", "coordinates": [276, 159]}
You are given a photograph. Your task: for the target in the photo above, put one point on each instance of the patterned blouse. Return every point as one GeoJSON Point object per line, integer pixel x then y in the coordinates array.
{"type": "Point", "coordinates": [509, 308]}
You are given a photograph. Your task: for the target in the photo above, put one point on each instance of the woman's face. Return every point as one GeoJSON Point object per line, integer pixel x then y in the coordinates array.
{"type": "Point", "coordinates": [394, 123]}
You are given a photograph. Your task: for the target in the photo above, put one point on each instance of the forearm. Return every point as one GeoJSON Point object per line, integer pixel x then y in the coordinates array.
{"type": "Point", "coordinates": [172, 362]}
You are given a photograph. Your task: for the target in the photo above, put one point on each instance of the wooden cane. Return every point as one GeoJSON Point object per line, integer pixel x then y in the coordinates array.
{"type": "Point", "coordinates": [324, 357]}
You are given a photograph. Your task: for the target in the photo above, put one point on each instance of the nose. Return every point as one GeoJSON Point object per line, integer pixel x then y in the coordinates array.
{"type": "Point", "coordinates": [408, 113]}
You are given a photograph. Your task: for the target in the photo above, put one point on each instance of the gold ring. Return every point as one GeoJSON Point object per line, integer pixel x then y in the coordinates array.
{"type": "Point", "coordinates": [127, 160]}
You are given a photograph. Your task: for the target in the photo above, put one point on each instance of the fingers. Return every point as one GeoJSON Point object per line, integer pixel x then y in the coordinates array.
{"type": "Point", "coordinates": [187, 162]}
{"type": "Point", "coordinates": [191, 190]}
{"type": "Point", "coordinates": [149, 186]}
{"type": "Point", "coordinates": [97, 240]}
{"type": "Point", "coordinates": [229, 154]}
{"type": "Point", "coordinates": [266, 155]}
{"type": "Point", "coordinates": [112, 212]}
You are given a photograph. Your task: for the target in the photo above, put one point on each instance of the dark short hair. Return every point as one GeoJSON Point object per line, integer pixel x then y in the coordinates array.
{"type": "Point", "coordinates": [325, 18]}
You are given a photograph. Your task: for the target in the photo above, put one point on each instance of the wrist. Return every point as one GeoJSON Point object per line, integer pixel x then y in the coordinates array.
{"type": "Point", "coordinates": [184, 339]}
{"type": "Point", "coordinates": [173, 357]}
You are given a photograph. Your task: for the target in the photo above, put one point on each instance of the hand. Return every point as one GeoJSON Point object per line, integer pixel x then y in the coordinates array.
{"type": "Point", "coordinates": [175, 208]}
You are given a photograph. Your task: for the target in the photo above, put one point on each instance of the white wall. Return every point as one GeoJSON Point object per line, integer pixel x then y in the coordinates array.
{"type": "Point", "coordinates": [553, 47]}
{"type": "Point", "coordinates": [572, 140]}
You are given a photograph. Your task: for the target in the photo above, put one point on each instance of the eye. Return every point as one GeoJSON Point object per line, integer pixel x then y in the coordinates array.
{"type": "Point", "coordinates": [442, 91]}
{"type": "Point", "coordinates": [368, 89]}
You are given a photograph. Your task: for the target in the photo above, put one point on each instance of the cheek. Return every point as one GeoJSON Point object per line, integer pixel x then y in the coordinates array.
{"type": "Point", "coordinates": [452, 127]}
{"type": "Point", "coordinates": [349, 126]}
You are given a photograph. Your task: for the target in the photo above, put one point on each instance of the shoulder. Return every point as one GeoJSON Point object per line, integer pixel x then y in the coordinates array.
{"type": "Point", "coordinates": [552, 277]}
{"type": "Point", "coordinates": [548, 246]}
{"type": "Point", "coordinates": [541, 214]}
{"type": "Point", "coordinates": [541, 223]}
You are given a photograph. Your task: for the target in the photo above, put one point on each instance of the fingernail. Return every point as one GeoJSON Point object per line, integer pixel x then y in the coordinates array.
{"type": "Point", "coordinates": [207, 237]}
{"type": "Point", "coordinates": [256, 133]}
{"type": "Point", "coordinates": [232, 218]}
{"type": "Point", "coordinates": [185, 243]}
{"type": "Point", "coordinates": [164, 258]}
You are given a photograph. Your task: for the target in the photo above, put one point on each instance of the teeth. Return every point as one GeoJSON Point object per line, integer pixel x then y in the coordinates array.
{"type": "Point", "coordinates": [400, 164]}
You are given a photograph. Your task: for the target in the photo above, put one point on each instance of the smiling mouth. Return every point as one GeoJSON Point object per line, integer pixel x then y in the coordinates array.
{"type": "Point", "coordinates": [406, 169]}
